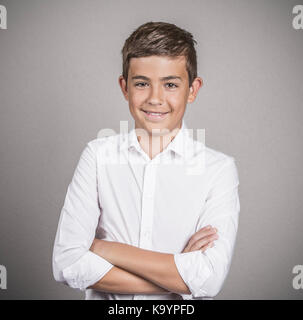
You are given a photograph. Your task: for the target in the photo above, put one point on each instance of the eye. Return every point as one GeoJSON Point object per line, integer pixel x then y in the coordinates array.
{"type": "Point", "coordinates": [171, 85]}
{"type": "Point", "coordinates": [140, 84]}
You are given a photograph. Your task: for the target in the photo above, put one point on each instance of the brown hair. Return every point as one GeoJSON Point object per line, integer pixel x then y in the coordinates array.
{"type": "Point", "coordinates": [160, 38]}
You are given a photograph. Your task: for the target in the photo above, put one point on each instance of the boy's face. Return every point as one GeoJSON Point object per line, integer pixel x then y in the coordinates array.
{"type": "Point", "coordinates": [157, 91]}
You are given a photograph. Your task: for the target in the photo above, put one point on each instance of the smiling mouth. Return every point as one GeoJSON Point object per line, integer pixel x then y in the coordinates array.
{"type": "Point", "coordinates": [155, 115]}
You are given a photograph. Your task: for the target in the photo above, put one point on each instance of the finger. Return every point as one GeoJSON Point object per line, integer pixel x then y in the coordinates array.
{"type": "Point", "coordinates": [185, 249]}
{"type": "Point", "coordinates": [210, 245]}
{"type": "Point", "coordinates": [204, 241]}
{"type": "Point", "coordinates": [207, 230]}
{"type": "Point", "coordinates": [201, 234]}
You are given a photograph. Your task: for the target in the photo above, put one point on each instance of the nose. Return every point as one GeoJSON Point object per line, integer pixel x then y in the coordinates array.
{"type": "Point", "coordinates": [155, 96]}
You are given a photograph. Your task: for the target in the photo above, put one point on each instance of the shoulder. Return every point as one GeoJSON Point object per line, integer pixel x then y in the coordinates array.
{"type": "Point", "coordinates": [109, 143]}
{"type": "Point", "coordinates": [221, 165]}
{"type": "Point", "coordinates": [215, 157]}
{"type": "Point", "coordinates": [211, 157]}
{"type": "Point", "coordinates": [217, 161]}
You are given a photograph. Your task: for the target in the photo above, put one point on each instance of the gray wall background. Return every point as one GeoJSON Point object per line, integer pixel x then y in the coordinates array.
{"type": "Point", "coordinates": [59, 68]}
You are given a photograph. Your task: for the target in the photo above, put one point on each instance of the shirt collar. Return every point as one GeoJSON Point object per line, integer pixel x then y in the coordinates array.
{"type": "Point", "coordinates": [182, 144]}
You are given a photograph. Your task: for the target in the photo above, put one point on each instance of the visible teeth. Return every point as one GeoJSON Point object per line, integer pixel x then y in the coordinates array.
{"type": "Point", "coordinates": [155, 114]}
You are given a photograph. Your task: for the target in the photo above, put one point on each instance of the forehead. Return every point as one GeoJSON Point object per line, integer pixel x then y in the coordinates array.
{"type": "Point", "coordinates": [158, 66]}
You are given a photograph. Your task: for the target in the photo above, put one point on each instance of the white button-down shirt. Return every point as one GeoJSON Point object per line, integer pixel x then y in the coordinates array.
{"type": "Point", "coordinates": [119, 194]}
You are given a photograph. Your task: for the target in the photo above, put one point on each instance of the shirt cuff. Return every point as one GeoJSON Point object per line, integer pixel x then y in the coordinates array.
{"type": "Point", "coordinates": [194, 270]}
{"type": "Point", "coordinates": [86, 271]}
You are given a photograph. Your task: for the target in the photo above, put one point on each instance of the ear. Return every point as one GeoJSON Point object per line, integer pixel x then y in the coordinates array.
{"type": "Point", "coordinates": [123, 86]}
{"type": "Point", "coordinates": [193, 90]}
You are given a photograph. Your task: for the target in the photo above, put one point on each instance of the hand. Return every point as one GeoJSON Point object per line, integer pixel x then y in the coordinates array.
{"type": "Point", "coordinates": [94, 245]}
{"type": "Point", "coordinates": [202, 239]}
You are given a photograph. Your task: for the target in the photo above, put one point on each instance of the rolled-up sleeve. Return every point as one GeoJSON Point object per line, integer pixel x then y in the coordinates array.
{"type": "Point", "coordinates": [73, 263]}
{"type": "Point", "coordinates": [205, 272]}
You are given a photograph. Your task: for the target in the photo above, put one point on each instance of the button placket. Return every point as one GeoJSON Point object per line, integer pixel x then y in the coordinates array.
{"type": "Point", "coordinates": [147, 206]}
{"type": "Point", "coordinates": [147, 211]}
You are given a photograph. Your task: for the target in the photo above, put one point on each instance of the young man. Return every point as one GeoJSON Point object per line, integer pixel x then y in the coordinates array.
{"type": "Point", "coordinates": [147, 227]}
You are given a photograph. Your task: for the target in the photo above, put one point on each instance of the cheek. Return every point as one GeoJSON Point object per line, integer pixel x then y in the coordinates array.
{"type": "Point", "coordinates": [137, 98]}
{"type": "Point", "coordinates": [177, 101]}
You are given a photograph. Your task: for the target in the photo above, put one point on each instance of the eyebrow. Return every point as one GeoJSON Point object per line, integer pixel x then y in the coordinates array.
{"type": "Point", "coordinates": [162, 79]}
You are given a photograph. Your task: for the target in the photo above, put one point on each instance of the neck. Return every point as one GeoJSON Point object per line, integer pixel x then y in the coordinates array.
{"type": "Point", "coordinates": [153, 144]}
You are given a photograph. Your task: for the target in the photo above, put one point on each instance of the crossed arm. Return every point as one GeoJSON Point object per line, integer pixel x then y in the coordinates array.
{"type": "Point", "coordinates": [140, 271]}
{"type": "Point", "coordinates": [134, 270]}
